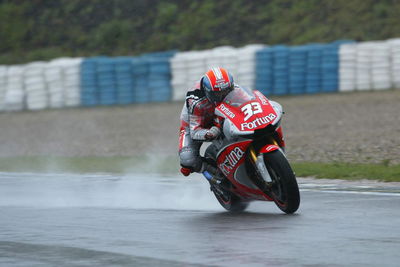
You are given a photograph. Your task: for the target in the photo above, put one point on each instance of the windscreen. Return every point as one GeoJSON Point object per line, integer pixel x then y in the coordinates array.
{"type": "Point", "coordinates": [239, 96]}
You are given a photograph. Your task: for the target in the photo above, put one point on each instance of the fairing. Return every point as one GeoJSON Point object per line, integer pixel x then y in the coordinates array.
{"type": "Point", "coordinates": [245, 112]}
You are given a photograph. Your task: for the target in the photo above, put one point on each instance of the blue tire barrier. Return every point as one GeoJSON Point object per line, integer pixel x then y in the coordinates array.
{"type": "Point", "coordinates": [89, 87]}
{"type": "Point", "coordinates": [264, 79]}
{"type": "Point", "coordinates": [280, 68]}
{"type": "Point", "coordinates": [106, 79]}
{"type": "Point", "coordinates": [329, 68]}
{"type": "Point", "coordinates": [124, 80]}
{"type": "Point", "coordinates": [297, 69]}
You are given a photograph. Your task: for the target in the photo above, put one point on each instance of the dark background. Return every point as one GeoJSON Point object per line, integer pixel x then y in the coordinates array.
{"type": "Point", "coordinates": [46, 29]}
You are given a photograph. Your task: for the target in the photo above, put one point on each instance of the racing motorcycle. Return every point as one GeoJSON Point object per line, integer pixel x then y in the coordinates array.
{"type": "Point", "coordinates": [247, 155]}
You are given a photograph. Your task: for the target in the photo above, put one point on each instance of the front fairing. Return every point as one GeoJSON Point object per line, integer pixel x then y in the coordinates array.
{"type": "Point", "coordinates": [246, 111]}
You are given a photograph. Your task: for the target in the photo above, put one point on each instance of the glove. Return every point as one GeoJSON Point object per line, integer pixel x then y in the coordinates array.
{"type": "Point", "coordinates": [213, 133]}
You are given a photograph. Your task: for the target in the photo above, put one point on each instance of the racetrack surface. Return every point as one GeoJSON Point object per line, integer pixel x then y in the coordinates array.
{"type": "Point", "coordinates": [160, 220]}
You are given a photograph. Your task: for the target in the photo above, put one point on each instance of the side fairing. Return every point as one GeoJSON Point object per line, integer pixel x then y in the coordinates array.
{"type": "Point", "coordinates": [242, 178]}
{"type": "Point", "coordinates": [231, 157]}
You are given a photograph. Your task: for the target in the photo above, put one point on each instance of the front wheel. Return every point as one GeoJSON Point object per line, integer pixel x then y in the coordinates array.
{"type": "Point", "coordinates": [283, 188]}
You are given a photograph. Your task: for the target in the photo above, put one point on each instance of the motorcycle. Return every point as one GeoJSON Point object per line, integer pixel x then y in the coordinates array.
{"type": "Point", "coordinates": [248, 156]}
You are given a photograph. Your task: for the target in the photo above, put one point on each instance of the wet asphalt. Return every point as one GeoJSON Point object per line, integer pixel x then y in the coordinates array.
{"type": "Point", "coordinates": [166, 220]}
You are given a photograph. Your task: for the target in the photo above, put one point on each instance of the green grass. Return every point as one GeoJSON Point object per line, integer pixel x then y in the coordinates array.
{"type": "Point", "coordinates": [120, 164]}
{"type": "Point", "coordinates": [145, 164]}
{"type": "Point", "coordinates": [348, 171]}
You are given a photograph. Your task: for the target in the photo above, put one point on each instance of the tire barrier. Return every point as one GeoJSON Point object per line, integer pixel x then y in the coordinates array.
{"type": "Point", "coordinates": [305, 69]}
{"type": "Point", "coordinates": [126, 80]}
{"type": "Point", "coordinates": [329, 68]}
{"type": "Point", "coordinates": [3, 83]}
{"type": "Point", "coordinates": [280, 68]}
{"type": "Point", "coordinates": [343, 66]}
{"type": "Point", "coordinates": [369, 66]}
{"type": "Point", "coordinates": [347, 68]}
{"type": "Point", "coordinates": [40, 85]}
{"type": "Point", "coordinates": [14, 89]}
{"type": "Point", "coordinates": [313, 68]}
{"type": "Point", "coordinates": [188, 67]}
{"type": "Point", "coordinates": [394, 45]}
{"type": "Point", "coordinates": [35, 86]}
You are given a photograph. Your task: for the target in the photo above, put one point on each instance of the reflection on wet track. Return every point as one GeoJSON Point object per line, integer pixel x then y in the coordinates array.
{"type": "Point", "coordinates": [160, 220]}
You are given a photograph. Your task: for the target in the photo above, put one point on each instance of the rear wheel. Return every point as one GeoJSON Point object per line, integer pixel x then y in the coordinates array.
{"type": "Point", "coordinates": [283, 188]}
{"type": "Point", "coordinates": [229, 201]}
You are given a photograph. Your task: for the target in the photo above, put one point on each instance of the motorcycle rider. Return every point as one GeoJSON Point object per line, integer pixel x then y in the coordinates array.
{"type": "Point", "coordinates": [198, 122]}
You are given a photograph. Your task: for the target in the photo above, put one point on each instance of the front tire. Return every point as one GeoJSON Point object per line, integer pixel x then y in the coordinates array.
{"type": "Point", "coordinates": [283, 189]}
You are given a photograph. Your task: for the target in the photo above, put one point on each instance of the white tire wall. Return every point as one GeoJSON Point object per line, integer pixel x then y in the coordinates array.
{"type": "Point", "coordinates": [62, 77]}
{"type": "Point", "coordinates": [347, 67]}
{"type": "Point", "coordinates": [246, 65]}
{"type": "Point", "coordinates": [53, 73]}
{"type": "Point", "coordinates": [380, 66]}
{"type": "Point", "coordinates": [364, 66]}
{"type": "Point", "coordinates": [394, 46]}
{"type": "Point", "coordinates": [188, 67]}
{"type": "Point", "coordinates": [72, 81]}
{"type": "Point", "coordinates": [35, 86]}
{"type": "Point", "coordinates": [14, 96]}
{"type": "Point", "coordinates": [3, 82]}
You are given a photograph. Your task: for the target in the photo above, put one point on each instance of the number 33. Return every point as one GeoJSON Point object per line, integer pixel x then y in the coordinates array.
{"type": "Point", "coordinates": [251, 109]}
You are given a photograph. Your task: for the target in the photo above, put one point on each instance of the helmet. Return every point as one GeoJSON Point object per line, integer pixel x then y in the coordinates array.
{"type": "Point", "coordinates": [217, 83]}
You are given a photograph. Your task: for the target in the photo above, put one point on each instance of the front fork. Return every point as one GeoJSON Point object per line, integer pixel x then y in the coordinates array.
{"type": "Point", "coordinates": [257, 160]}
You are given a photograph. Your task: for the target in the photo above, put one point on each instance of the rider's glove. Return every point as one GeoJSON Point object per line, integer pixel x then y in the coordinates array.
{"type": "Point", "coordinates": [213, 133]}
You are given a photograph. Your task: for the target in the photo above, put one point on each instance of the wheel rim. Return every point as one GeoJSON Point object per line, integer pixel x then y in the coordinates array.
{"type": "Point", "coordinates": [226, 200]}
{"type": "Point", "coordinates": [276, 188]}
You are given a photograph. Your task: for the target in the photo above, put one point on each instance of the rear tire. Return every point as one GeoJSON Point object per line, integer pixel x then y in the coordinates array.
{"type": "Point", "coordinates": [231, 202]}
{"type": "Point", "coordinates": [283, 189]}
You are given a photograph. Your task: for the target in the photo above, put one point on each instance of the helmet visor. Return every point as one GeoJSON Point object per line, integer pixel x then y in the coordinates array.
{"type": "Point", "coordinates": [218, 96]}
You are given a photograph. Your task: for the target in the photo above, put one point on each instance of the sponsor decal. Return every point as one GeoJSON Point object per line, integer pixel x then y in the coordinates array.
{"type": "Point", "coordinates": [271, 148]}
{"type": "Point", "coordinates": [262, 98]}
{"type": "Point", "coordinates": [258, 122]}
{"type": "Point", "coordinates": [231, 160]}
{"type": "Point", "coordinates": [220, 81]}
{"type": "Point", "coordinates": [222, 84]}
{"type": "Point", "coordinates": [227, 111]}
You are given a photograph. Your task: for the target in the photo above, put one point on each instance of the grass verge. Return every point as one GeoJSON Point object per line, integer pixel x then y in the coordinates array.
{"type": "Point", "coordinates": [147, 164]}
{"type": "Point", "coordinates": [348, 171]}
{"type": "Point", "coordinates": [142, 164]}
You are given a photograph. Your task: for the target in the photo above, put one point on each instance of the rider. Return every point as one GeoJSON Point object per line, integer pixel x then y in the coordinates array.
{"type": "Point", "coordinates": [198, 122]}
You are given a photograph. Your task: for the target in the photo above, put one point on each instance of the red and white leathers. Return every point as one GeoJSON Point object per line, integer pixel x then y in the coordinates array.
{"type": "Point", "coordinates": [197, 117]}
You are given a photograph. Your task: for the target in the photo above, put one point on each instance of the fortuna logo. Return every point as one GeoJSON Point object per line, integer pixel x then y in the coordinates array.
{"type": "Point", "coordinates": [258, 122]}
{"type": "Point", "coordinates": [222, 84]}
{"type": "Point", "coordinates": [231, 160]}
{"type": "Point", "coordinates": [227, 111]}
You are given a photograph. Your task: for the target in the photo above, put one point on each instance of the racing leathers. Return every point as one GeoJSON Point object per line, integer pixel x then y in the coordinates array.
{"type": "Point", "coordinates": [197, 125]}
